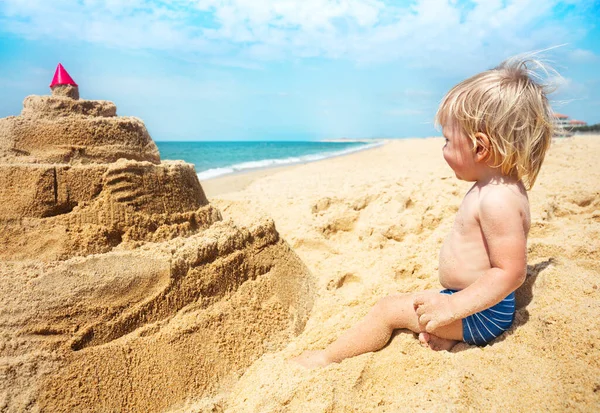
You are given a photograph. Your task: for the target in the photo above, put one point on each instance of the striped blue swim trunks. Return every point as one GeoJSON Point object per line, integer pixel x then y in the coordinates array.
{"type": "Point", "coordinates": [481, 328]}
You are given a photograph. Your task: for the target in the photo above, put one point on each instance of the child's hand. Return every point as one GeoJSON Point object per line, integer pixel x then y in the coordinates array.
{"type": "Point", "coordinates": [434, 310]}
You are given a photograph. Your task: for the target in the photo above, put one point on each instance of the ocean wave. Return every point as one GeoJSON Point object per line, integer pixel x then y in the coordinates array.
{"type": "Point", "coordinates": [267, 163]}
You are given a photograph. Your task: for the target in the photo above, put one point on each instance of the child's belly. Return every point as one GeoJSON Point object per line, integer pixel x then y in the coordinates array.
{"type": "Point", "coordinates": [463, 260]}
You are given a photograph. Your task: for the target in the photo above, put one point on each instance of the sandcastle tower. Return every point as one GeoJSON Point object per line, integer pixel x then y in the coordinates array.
{"type": "Point", "coordinates": [77, 161]}
{"type": "Point", "coordinates": [63, 129]}
{"type": "Point", "coordinates": [124, 288]}
{"type": "Point", "coordinates": [63, 85]}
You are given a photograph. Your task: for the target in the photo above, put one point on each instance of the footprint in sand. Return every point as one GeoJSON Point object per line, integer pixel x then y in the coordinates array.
{"type": "Point", "coordinates": [345, 279]}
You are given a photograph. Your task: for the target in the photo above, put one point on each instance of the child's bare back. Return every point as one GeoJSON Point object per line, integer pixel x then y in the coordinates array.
{"type": "Point", "coordinates": [497, 127]}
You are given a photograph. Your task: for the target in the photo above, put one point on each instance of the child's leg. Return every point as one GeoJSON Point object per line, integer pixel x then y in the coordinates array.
{"type": "Point", "coordinates": [374, 331]}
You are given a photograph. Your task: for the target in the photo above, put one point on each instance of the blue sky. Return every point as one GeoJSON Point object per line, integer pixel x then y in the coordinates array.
{"type": "Point", "coordinates": [290, 69]}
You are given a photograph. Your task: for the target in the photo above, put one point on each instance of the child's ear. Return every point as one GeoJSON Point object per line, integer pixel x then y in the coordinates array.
{"type": "Point", "coordinates": [482, 147]}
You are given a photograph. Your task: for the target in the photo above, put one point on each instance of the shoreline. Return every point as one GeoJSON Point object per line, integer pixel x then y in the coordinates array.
{"type": "Point", "coordinates": [240, 180]}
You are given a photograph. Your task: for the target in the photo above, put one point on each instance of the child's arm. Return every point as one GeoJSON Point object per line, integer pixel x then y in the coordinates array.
{"type": "Point", "coordinates": [502, 223]}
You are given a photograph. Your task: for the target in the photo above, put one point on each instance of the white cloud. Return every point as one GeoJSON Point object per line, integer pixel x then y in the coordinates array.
{"type": "Point", "coordinates": [567, 88]}
{"type": "Point", "coordinates": [583, 56]}
{"type": "Point", "coordinates": [430, 33]}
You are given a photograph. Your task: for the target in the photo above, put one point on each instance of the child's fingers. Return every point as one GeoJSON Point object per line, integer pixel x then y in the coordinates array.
{"type": "Point", "coordinates": [424, 319]}
{"type": "Point", "coordinates": [417, 301]}
{"type": "Point", "coordinates": [431, 326]}
{"type": "Point", "coordinates": [420, 310]}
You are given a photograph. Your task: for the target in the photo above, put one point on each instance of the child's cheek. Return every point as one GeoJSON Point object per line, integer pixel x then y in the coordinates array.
{"type": "Point", "coordinates": [447, 156]}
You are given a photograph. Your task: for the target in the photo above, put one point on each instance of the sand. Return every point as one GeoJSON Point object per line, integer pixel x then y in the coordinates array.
{"type": "Point", "coordinates": [238, 181]}
{"type": "Point", "coordinates": [127, 285]}
{"type": "Point", "coordinates": [371, 224]}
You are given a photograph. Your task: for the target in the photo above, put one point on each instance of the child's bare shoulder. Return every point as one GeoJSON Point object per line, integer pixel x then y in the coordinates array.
{"type": "Point", "coordinates": [502, 191]}
{"type": "Point", "coordinates": [503, 200]}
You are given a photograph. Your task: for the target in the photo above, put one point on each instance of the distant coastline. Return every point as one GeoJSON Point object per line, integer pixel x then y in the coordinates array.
{"type": "Point", "coordinates": [352, 140]}
{"type": "Point", "coordinates": [214, 159]}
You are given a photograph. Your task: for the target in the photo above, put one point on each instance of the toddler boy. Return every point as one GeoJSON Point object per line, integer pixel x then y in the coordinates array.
{"type": "Point", "coordinates": [497, 127]}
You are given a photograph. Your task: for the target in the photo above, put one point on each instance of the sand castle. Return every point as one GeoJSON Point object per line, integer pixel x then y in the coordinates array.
{"type": "Point", "coordinates": [122, 286]}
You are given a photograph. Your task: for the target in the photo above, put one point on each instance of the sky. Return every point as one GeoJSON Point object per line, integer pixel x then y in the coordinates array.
{"type": "Point", "coordinates": [290, 69]}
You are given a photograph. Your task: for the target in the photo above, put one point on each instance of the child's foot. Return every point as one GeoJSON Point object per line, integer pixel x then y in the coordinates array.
{"type": "Point", "coordinates": [312, 359]}
{"type": "Point", "coordinates": [436, 343]}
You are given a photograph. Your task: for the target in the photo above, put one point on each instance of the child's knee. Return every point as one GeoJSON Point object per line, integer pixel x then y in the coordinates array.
{"type": "Point", "coordinates": [386, 309]}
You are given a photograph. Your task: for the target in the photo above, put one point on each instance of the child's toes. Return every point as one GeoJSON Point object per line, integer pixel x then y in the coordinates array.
{"type": "Point", "coordinates": [439, 344]}
{"type": "Point", "coordinates": [424, 339]}
{"type": "Point", "coordinates": [311, 359]}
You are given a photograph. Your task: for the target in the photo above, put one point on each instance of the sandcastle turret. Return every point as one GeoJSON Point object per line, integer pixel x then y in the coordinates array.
{"type": "Point", "coordinates": [61, 128]}
{"type": "Point", "coordinates": [63, 84]}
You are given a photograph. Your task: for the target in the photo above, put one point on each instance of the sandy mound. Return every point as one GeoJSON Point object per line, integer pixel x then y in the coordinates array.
{"type": "Point", "coordinates": [59, 129]}
{"type": "Point", "coordinates": [122, 287]}
{"type": "Point", "coordinates": [372, 224]}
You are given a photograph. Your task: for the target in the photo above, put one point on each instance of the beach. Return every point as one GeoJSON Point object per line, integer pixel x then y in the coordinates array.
{"type": "Point", "coordinates": [130, 286]}
{"type": "Point", "coordinates": [238, 181]}
{"type": "Point", "coordinates": [371, 224]}
{"type": "Point", "coordinates": [235, 182]}
{"type": "Point", "coordinates": [198, 198]}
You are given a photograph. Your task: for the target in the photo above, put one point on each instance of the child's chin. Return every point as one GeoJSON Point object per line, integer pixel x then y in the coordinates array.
{"type": "Point", "coordinates": [465, 178]}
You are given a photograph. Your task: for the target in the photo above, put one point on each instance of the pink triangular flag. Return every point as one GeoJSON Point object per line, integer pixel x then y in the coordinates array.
{"type": "Point", "coordinates": [61, 77]}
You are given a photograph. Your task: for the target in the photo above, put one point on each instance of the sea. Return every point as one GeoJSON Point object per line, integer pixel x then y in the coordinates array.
{"type": "Point", "coordinates": [213, 159]}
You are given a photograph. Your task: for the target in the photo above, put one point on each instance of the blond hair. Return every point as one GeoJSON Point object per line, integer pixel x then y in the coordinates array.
{"type": "Point", "coordinates": [509, 105]}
